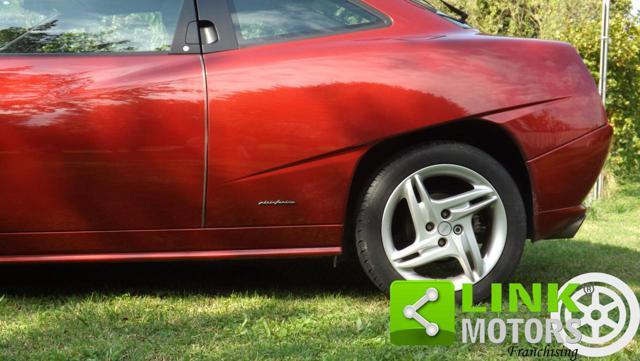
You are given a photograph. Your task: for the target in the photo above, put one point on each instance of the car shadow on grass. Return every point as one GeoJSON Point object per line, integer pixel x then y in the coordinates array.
{"type": "Point", "coordinates": [550, 261]}
{"type": "Point", "coordinates": [285, 277]}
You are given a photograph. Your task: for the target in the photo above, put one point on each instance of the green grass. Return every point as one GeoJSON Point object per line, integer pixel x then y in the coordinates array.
{"type": "Point", "coordinates": [283, 310]}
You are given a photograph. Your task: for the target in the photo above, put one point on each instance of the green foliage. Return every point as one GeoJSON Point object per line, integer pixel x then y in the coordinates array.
{"type": "Point", "coordinates": [579, 22]}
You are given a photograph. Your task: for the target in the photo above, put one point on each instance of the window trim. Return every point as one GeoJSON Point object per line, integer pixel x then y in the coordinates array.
{"type": "Point", "coordinates": [384, 21]}
{"type": "Point", "coordinates": [187, 13]}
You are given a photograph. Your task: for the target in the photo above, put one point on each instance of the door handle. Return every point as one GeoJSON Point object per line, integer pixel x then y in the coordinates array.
{"type": "Point", "coordinates": [208, 32]}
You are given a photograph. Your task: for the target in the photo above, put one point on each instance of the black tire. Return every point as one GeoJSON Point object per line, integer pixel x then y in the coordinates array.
{"type": "Point", "coordinates": [368, 234]}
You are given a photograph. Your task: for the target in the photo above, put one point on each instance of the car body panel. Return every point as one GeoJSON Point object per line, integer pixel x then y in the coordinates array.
{"type": "Point", "coordinates": [106, 158]}
{"type": "Point", "coordinates": [163, 240]}
{"type": "Point", "coordinates": [304, 107]}
{"type": "Point", "coordinates": [173, 256]}
{"type": "Point", "coordinates": [566, 175]}
{"type": "Point", "coordinates": [101, 142]}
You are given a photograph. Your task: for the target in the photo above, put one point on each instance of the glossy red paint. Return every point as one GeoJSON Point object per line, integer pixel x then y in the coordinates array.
{"type": "Point", "coordinates": [162, 240]}
{"type": "Point", "coordinates": [105, 156]}
{"type": "Point", "coordinates": [308, 110]}
{"type": "Point", "coordinates": [566, 174]}
{"type": "Point", "coordinates": [177, 256]}
{"type": "Point", "coordinates": [101, 142]}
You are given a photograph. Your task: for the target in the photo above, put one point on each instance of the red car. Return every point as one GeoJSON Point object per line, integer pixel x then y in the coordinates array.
{"type": "Point", "coordinates": [208, 129]}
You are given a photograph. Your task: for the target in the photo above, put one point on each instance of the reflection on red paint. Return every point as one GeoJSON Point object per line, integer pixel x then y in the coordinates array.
{"type": "Point", "coordinates": [99, 143]}
{"type": "Point", "coordinates": [107, 154]}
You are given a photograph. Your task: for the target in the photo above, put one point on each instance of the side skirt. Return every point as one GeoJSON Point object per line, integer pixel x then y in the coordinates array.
{"type": "Point", "coordinates": [175, 256]}
{"type": "Point", "coordinates": [213, 243]}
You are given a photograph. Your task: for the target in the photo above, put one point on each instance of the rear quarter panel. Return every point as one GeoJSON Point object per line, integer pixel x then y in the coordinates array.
{"type": "Point", "coordinates": [290, 121]}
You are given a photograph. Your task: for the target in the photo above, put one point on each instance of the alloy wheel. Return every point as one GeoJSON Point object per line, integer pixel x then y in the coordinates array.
{"type": "Point", "coordinates": [447, 222]}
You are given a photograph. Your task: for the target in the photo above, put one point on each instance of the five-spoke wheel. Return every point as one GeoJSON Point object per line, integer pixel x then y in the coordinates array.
{"type": "Point", "coordinates": [443, 223]}
{"type": "Point", "coordinates": [444, 211]}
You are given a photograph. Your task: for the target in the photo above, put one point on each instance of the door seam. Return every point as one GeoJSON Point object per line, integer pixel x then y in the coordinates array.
{"type": "Point", "coordinates": [205, 186]}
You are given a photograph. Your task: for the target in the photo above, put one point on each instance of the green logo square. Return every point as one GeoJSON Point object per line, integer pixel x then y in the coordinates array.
{"type": "Point", "coordinates": [423, 313]}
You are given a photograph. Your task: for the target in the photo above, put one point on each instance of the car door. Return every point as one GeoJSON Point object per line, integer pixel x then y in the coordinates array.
{"type": "Point", "coordinates": [102, 117]}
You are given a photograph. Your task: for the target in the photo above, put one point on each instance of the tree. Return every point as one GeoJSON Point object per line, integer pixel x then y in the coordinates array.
{"type": "Point", "coordinates": [578, 22]}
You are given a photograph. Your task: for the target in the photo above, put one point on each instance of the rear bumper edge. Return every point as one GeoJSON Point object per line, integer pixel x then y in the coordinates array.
{"type": "Point", "coordinates": [561, 180]}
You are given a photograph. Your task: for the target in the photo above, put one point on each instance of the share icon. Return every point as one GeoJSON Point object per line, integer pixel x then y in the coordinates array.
{"type": "Point", "coordinates": [411, 311]}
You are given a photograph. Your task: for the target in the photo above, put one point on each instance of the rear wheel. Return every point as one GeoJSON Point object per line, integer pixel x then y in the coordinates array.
{"type": "Point", "coordinates": [443, 211]}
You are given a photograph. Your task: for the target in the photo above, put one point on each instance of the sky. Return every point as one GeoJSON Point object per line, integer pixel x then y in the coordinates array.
{"type": "Point", "coordinates": [636, 4]}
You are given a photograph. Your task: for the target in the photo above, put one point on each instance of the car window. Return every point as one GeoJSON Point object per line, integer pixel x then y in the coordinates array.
{"type": "Point", "coordinates": [87, 26]}
{"type": "Point", "coordinates": [260, 21]}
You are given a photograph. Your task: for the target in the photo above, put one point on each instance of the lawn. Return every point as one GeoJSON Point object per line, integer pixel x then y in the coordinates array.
{"type": "Point", "coordinates": [283, 310]}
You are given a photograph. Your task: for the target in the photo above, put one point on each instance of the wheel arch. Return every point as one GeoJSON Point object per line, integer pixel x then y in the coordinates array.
{"type": "Point", "coordinates": [487, 136]}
